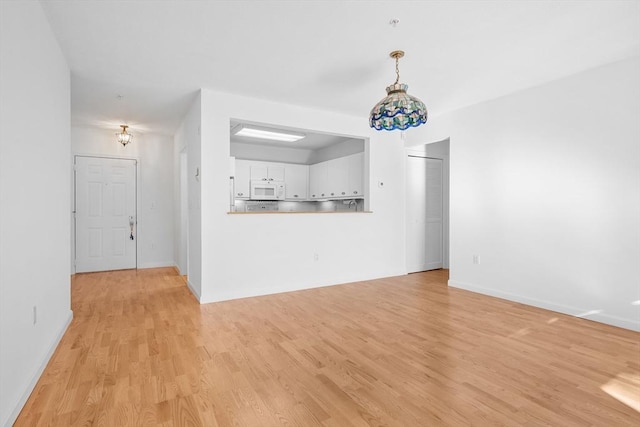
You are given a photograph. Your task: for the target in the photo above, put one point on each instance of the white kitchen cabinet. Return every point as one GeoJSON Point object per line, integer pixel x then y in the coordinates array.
{"type": "Point", "coordinates": [261, 171]}
{"type": "Point", "coordinates": [318, 181]}
{"type": "Point", "coordinates": [242, 178]}
{"type": "Point", "coordinates": [355, 165]}
{"type": "Point", "coordinates": [296, 181]}
{"type": "Point", "coordinates": [295, 177]}
{"type": "Point", "coordinates": [338, 177]}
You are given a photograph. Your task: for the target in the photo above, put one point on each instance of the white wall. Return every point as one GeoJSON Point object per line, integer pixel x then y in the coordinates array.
{"type": "Point", "coordinates": [34, 200]}
{"type": "Point", "coordinates": [303, 156]}
{"type": "Point", "coordinates": [269, 153]}
{"type": "Point", "coordinates": [545, 188]}
{"type": "Point", "coordinates": [188, 137]}
{"type": "Point", "coordinates": [154, 153]}
{"type": "Point", "coordinates": [182, 239]}
{"type": "Point", "coordinates": [335, 151]}
{"type": "Point", "coordinates": [244, 255]}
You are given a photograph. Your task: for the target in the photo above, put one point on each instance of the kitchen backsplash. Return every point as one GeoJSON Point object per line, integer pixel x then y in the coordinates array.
{"type": "Point", "coordinates": [354, 205]}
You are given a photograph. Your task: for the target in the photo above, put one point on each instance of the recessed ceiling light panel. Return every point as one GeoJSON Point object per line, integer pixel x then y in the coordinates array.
{"type": "Point", "coordinates": [253, 132]}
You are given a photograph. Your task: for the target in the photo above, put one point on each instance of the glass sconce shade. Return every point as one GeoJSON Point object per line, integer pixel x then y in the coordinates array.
{"type": "Point", "coordinates": [124, 137]}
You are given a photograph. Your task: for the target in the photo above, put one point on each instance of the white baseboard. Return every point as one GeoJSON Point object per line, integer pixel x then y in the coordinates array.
{"type": "Point", "coordinates": [584, 313]}
{"type": "Point", "coordinates": [156, 264]}
{"type": "Point", "coordinates": [238, 291]}
{"type": "Point", "coordinates": [193, 290]}
{"type": "Point", "coordinates": [36, 376]}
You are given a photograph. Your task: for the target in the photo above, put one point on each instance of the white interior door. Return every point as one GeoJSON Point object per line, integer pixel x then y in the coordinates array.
{"type": "Point", "coordinates": [424, 214]}
{"type": "Point", "coordinates": [105, 191]}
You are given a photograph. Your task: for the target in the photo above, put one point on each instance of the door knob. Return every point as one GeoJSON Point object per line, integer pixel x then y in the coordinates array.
{"type": "Point", "coordinates": [131, 224]}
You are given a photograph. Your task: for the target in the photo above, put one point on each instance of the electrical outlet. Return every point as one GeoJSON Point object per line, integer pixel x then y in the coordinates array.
{"type": "Point", "coordinates": [35, 314]}
{"type": "Point", "coordinates": [316, 257]}
{"type": "Point", "coordinates": [476, 259]}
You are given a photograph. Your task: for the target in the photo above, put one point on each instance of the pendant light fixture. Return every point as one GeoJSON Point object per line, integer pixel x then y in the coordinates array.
{"type": "Point", "coordinates": [123, 137]}
{"type": "Point", "coordinates": [397, 110]}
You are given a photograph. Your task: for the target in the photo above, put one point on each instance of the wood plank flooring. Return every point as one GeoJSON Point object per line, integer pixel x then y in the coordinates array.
{"type": "Point", "coordinates": [403, 351]}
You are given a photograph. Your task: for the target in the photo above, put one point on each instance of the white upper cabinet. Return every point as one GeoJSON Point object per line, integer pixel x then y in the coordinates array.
{"type": "Point", "coordinates": [242, 178]}
{"type": "Point", "coordinates": [295, 177]}
{"type": "Point", "coordinates": [296, 181]}
{"type": "Point", "coordinates": [262, 171]}
{"type": "Point", "coordinates": [338, 177]}
{"type": "Point", "coordinates": [318, 181]}
{"type": "Point", "coordinates": [356, 175]}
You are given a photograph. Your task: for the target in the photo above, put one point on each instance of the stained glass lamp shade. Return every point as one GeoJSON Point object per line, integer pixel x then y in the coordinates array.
{"type": "Point", "coordinates": [398, 110]}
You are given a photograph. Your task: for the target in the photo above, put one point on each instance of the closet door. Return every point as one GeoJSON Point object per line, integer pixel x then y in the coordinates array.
{"type": "Point", "coordinates": [424, 214]}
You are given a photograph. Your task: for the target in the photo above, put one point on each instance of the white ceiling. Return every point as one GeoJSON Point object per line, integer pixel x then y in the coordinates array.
{"type": "Point", "coordinates": [324, 54]}
{"type": "Point", "coordinates": [311, 140]}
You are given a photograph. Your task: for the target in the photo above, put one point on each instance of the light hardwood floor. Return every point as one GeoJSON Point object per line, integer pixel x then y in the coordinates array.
{"type": "Point", "coordinates": [403, 351]}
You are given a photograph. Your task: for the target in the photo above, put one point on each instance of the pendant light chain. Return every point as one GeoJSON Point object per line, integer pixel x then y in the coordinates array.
{"type": "Point", "coordinates": [397, 71]}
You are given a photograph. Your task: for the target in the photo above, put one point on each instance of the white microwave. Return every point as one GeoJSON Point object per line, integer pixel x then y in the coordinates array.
{"type": "Point", "coordinates": [267, 190]}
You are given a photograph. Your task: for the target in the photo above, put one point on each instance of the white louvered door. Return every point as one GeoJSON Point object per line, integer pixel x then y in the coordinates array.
{"type": "Point", "coordinates": [424, 214]}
